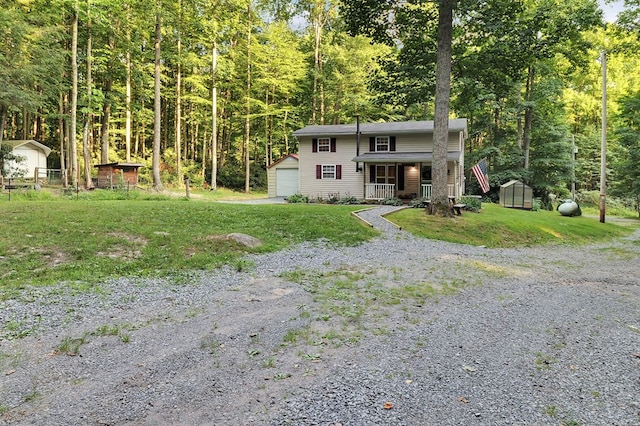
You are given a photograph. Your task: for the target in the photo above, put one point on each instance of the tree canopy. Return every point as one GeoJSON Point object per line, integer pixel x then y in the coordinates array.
{"type": "Point", "coordinates": [524, 73]}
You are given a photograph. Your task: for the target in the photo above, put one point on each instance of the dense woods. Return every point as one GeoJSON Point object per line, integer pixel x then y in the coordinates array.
{"type": "Point", "coordinates": [213, 89]}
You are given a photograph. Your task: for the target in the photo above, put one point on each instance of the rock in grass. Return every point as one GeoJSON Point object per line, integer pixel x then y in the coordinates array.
{"type": "Point", "coordinates": [243, 239]}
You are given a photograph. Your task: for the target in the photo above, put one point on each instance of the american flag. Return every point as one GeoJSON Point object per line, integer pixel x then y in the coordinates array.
{"type": "Point", "coordinates": [480, 171]}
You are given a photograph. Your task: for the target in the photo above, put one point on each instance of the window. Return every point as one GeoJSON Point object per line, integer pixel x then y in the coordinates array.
{"type": "Point", "coordinates": [382, 143]}
{"type": "Point", "coordinates": [383, 174]}
{"type": "Point", "coordinates": [328, 171]}
{"type": "Point", "coordinates": [324, 145]}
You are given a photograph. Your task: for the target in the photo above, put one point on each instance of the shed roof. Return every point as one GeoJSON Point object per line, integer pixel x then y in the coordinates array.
{"type": "Point", "coordinates": [400, 127]}
{"type": "Point", "coordinates": [25, 142]}
{"type": "Point", "coordinates": [512, 182]}
{"type": "Point", "coordinates": [119, 165]}
{"type": "Point", "coordinates": [294, 156]}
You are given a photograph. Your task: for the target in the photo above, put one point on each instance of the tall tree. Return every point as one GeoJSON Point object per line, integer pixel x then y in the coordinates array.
{"type": "Point", "coordinates": [157, 104]}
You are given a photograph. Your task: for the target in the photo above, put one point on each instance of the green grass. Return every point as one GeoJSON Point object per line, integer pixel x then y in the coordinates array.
{"type": "Point", "coordinates": [497, 226]}
{"type": "Point", "coordinates": [86, 241]}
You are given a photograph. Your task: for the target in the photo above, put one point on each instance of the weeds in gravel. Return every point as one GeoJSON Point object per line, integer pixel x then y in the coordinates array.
{"type": "Point", "coordinates": [10, 360]}
{"type": "Point", "coordinates": [544, 361]}
{"type": "Point", "coordinates": [270, 362]}
{"type": "Point", "coordinates": [211, 344]}
{"type": "Point", "coordinates": [71, 345]}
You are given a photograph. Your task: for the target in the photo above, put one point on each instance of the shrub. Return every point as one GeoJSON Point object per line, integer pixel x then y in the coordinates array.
{"type": "Point", "coordinates": [472, 204]}
{"type": "Point", "coordinates": [297, 198]}
{"type": "Point", "coordinates": [391, 201]}
{"type": "Point", "coordinates": [419, 203]}
{"type": "Point", "coordinates": [349, 199]}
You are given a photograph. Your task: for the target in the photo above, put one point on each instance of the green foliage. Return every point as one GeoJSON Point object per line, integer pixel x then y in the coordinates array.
{"type": "Point", "coordinates": [297, 198]}
{"type": "Point", "coordinates": [472, 204]}
{"type": "Point", "coordinates": [391, 201]}
{"type": "Point", "coordinates": [419, 203]}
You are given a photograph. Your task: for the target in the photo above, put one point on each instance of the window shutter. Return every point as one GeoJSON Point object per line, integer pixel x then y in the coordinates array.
{"type": "Point", "coordinates": [372, 144]}
{"type": "Point", "coordinates": [392, 143]}
{"type": "Point", "coordinates": [333, 144]}
{"type": "Point", "coordinates": [314, 145]}
{"type": "Point", "coordinates": [318, 171]}
{"type": "Point", "coordinates": [400, 178]}
{"type": "Point", "coordinates": [372, 173]}
{"type": "Point", "coordinates": [338, 171]}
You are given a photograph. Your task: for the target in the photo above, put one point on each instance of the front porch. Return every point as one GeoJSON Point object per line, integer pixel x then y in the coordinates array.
{"type": "Point", "coordinates": [381, 191]}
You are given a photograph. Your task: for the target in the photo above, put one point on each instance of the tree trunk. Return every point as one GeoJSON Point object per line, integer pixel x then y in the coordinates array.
{"type": "Point", "coordinates": [127, 131]}
{"type": "Point", "coordinates": [157, 105]}
{"type": "Point", "coordinates": [247, 124]}
{"type": "Point", "coordinates": [439, 200]}
{"type": "Point", "coordinates": [3, 119]}
{"type": "Point", "coordinates": [528, 117]}
{"type": "Point", "coordinates": [86, 148]}
{"type": "Point", "coordinates": [178, 135]}
{"type": "Point", "coordinates": [178, 146]}
{"type": "Point", "coordinates": [61, 133]}
{"type": "Point", "coordinates": [104, 129]}
{"type": "Point", "coordinates": [214, 118]}
{"type": "Point", "coordinates": [73, 147]}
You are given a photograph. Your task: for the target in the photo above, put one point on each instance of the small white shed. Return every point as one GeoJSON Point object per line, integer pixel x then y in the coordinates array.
{"type": "Point", "coordinates": [516, 194]}
{"type": "Point", "coordinates": [283, 177]}
{"type": "Point", "coordinates": [34, 156]}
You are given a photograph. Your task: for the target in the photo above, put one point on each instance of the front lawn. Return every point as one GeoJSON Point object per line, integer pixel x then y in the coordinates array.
{"type": "Point", "coordinates": [497, 226]}
{"type": "Point", "coordinates": [45, 242]}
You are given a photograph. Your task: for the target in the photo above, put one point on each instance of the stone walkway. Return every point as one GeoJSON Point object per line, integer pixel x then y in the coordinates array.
{"type": "Point", "coordinates": [374, 216]}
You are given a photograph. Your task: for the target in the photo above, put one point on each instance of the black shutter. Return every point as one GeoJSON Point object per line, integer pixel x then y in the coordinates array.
{"type": "Point", "coordinates": [318, 171]}
{"type": "Point", "coordinates": [372, 144]}
{"type": "Point", "coordinates": [333, 144]}
{"type": "Point", "coordinates": [400, 177]}
{"type": "Point", "coordinates": [338, 171]}
{"type": "Point", "coordinates": [314, 145]}
{"type": "Point", "coordinates": [392, 143]}
{"type": "Point", "coordinates": [372, 173]}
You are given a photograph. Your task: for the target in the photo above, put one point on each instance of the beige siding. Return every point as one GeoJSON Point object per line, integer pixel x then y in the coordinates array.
{"type": "Point", "coordinates": [416, 143]}
{"type": "Point", "coordinates": [351, 182]}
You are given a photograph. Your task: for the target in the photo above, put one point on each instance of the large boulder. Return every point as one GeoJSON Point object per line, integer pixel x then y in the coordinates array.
{"type": "Point", "coordinates": [569, 208]}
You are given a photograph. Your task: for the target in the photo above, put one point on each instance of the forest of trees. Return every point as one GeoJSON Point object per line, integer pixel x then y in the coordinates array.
{"type": "Point", "coordinates": [213, 89]}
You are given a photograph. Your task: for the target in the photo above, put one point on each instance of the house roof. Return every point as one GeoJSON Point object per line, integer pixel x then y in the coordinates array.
{"type": "Point", "coordinates": [406, 127]}
{"type": "Point", "coordinates": [19, 143]}
{"type": "Point", "coordinates": [402, 157]}
{"type": "Point", "coordinates": [294, 156]}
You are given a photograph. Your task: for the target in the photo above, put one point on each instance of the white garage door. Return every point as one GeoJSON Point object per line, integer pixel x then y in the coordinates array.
{"type": "Point", "coordinates": [286, 182]}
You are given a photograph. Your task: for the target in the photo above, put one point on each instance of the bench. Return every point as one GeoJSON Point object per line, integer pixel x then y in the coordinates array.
{"type": "Point", "coordinates": [457, 208]}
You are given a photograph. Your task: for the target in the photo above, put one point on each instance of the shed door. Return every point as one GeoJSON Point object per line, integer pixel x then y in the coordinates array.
{"type": "Point", "coordinates": [286, 182]}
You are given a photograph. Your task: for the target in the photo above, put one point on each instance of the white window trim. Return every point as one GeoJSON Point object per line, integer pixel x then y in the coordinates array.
{"type": "Point", "coordinates": [324, 144]}
{"type": "Point", "coordinates": [388, 143]}
{"type": "Point", "coordinates": [329, 172]}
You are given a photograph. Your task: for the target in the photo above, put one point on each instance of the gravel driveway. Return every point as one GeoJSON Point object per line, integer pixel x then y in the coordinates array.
{"type": "Point", "coordinates": [397, 331]}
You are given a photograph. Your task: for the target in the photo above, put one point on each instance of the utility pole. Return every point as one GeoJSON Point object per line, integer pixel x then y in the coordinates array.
{"type": "Point", "coordinates": [603, 150]}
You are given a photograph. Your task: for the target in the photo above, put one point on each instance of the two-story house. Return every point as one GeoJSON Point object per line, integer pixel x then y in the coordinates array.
{"type": "Point", "coordinates": [374, 161]}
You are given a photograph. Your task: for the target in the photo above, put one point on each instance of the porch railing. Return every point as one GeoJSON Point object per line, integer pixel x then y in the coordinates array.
{"type": "Point", "coordinates": [428, 188]}
{"type": "Point", "coordinates": [379, 191]}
